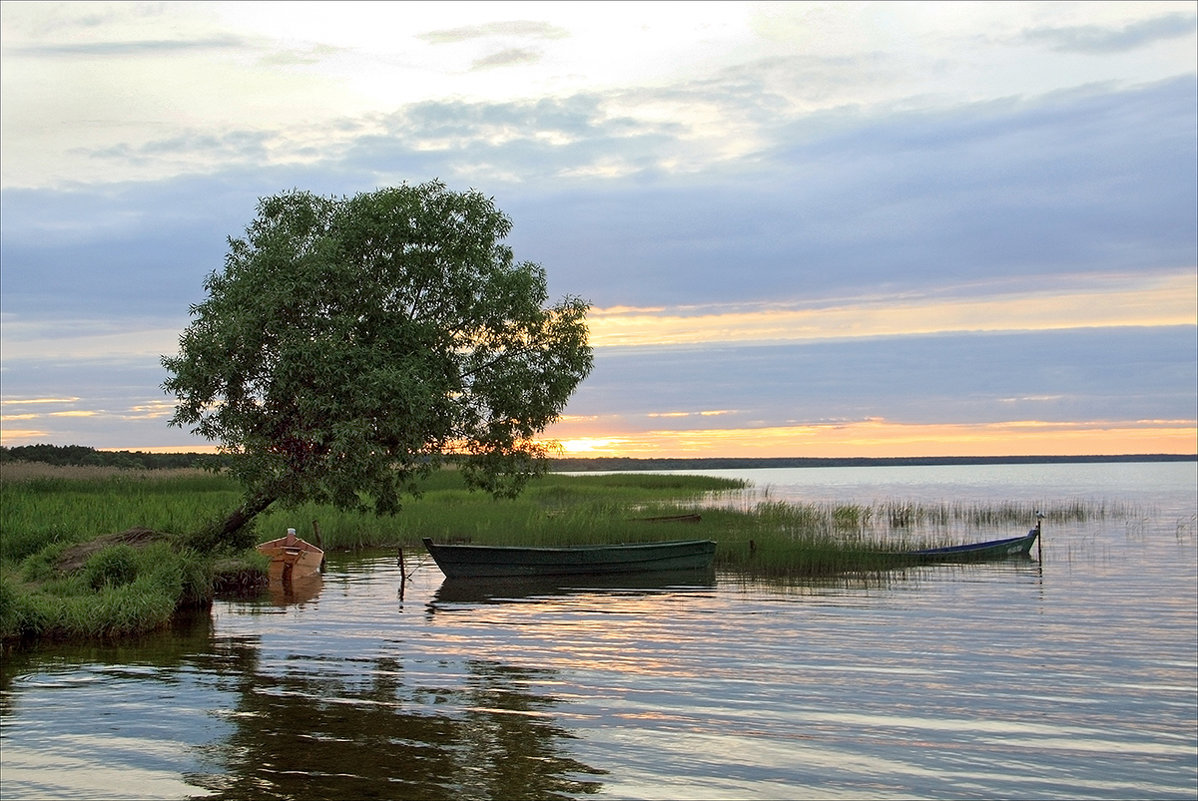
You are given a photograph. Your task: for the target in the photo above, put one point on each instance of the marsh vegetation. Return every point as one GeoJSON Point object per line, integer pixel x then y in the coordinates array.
{"type": "Point", "coordinates": [94, 551]}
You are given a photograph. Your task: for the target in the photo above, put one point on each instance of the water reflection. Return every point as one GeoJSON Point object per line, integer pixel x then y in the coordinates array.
{"type": "Point", "coordinates": [1018, 569]}
{"type": "Point", "coordinates": [340, 728]}
{"type": "Point", "coordinates": [501, 590]}
{"type": "Point", "coordinates": [296, 591]}
{"type": "Point", "coordinates": [101, 721]}
{"type": "Point", "coordinates": [191, 714]}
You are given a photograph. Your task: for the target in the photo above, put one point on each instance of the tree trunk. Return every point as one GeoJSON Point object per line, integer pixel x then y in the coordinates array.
{"type": "Point", "coordinates": [245, 513]}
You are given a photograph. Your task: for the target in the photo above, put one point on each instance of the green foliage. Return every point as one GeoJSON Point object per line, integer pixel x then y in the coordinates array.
{"type": "Point", "coordinates": [197, 577]}
{"type": "Point", "coordinates": [21, 613]}
{"type": "Point", "coordinates": [210, 535]}
{"type": "Point", "coordinates": [119, 590]}
{"type": "Point", "coordinates": [45, 509]}
{"type": "Point", "coordinates": [11, 617]}
{"type": "Point", "coordinates": [349, 344]}
{"type": "Point", "coordinates": [114, 566]}
{"type": "Point", "coordinates": [43, 565]}
{"type": "Point", "coordinates": [20, 542]}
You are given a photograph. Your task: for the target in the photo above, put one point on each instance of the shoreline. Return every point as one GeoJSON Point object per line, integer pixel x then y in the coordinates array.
{"type": "Point", "coordinates": [82, 455]}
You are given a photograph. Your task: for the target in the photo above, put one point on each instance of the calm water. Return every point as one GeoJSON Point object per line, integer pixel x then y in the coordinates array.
{"type": "Point", "coordinates": [1074, 678]}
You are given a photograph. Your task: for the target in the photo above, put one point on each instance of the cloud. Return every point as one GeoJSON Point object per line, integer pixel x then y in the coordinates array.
{"type": "Point", "coordinates": [1142, 299]}
{"type": "Point", "coordinates": [526, 29]}
{"type": "Point", "coordinates": [1091, 181]}
{"type": "Point", "coordinates": [132, 47]}
{"type": "Point", "coordinates": [92, 343]}
{"type": "Point", "coordinates": [190, 148]}
{"type": "Point", "coordinates": [115, 404]}
{"type": "Point", "coordinates": [39, 401]}
{"type": "Point", "coordinates": [1109, 39]}
{"type": "Point", "coordinates": [504, 30]}
{"type": "Point", "coordinates": [508, 57]}
{"type": "Point", "coordinates": [963, 378]}
{"type": "Point", "coordinates": [845, 211]}
{"type": "Point", "coordinates": [1093, 178]}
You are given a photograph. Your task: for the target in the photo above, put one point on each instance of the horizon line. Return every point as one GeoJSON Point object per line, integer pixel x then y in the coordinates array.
{"type": "Point", "coordinates": [1155, 455]}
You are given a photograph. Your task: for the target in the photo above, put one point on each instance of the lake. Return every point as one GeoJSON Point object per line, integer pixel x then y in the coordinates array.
{"type": "Point", "coordinates": [1076, 677]}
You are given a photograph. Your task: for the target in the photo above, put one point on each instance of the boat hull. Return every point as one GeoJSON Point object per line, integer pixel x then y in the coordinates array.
{"type": "Point", "coordinates": [485, 561]}
{"type": "Point", "coordinates": [978, 551]}
{"type": "Point", "coordinates": [292, 558]}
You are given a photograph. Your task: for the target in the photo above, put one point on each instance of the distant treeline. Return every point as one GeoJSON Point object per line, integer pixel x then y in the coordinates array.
{"type": "Point", "coordinates": [75, 455]}
{"type": "Point", "coordinates": [83, 455]}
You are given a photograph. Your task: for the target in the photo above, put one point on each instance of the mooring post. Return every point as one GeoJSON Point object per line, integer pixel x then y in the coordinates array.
{"type": "Point", "coordinates": [403, 573]}
{"type": "Point", "coordinates": [1039, 540]}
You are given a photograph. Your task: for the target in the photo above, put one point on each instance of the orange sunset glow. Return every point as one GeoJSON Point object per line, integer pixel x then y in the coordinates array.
{"type": "Point", "coordinates": [881, 438]}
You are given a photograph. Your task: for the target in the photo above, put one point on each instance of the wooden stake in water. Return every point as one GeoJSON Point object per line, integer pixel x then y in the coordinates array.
{"type": "Point", "coordinates": [1039, 539]}
{"type": "Point", "coordinates": [403, 573]}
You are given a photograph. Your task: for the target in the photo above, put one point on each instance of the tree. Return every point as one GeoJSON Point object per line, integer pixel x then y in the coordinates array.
{"type": "Point", "coordinates": [351, 345]}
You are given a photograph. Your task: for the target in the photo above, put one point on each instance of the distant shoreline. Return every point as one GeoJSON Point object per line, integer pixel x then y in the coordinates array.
{"type": "Point", "coordinates": [574, 464]}
{"type": "Point", "coordinates": [85, 455]}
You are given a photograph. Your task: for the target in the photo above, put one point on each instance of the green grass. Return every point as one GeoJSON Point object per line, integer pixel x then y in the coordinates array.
{"type": "Point", "coordinates": [554, 510]}
{"type": "Point", "coordinates": [41, 504]}
{"type": "Point", "coordinates": [118, 590]}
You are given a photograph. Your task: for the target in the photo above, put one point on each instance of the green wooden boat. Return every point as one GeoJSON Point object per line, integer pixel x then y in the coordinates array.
{"type": "Point", "coordinates": [494, 561]}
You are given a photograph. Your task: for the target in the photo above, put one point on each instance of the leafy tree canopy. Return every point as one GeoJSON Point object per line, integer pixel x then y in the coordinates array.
{"type": "Point", "coordinates": [350, 345]}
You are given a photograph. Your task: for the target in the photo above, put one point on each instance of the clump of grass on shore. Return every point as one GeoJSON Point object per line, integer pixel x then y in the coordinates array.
{"type": "Point", "coordinates": [106, 588]}
{"type": "Point", "coordinates": [99, 552]}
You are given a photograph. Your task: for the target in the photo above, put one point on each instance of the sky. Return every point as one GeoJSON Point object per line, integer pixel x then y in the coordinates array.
{"type": "Point", "coordinates": [805, 229]}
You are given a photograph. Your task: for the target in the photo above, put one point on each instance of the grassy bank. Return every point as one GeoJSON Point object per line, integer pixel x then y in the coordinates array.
{"type": "Point", "coordinates": [103, 552]}
{"type": "Point", "coordinates": [60, 577]}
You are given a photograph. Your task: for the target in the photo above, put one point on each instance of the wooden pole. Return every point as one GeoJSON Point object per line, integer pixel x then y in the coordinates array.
{"type": "Point", "coordinates": [1039, 540]}
{"type": "Point", "coordinates": [403, 573]}
{"type": "Point", "coordinates": [319, 543]}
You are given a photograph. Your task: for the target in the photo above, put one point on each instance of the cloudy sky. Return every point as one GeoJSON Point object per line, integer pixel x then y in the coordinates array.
{"type": "Point", "coordinates": [806, 229]}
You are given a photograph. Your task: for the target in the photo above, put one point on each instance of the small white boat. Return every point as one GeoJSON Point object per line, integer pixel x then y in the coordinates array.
{"type": "Point", "coordinates": [292, 558]}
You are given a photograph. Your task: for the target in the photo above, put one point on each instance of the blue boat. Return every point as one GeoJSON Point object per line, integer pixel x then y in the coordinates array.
{"type": "Point", "coordinates": [978, 551]}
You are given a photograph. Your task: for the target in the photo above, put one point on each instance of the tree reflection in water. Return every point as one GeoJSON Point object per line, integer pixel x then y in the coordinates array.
{"type": "Point", "coordinates": [336, 728]}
